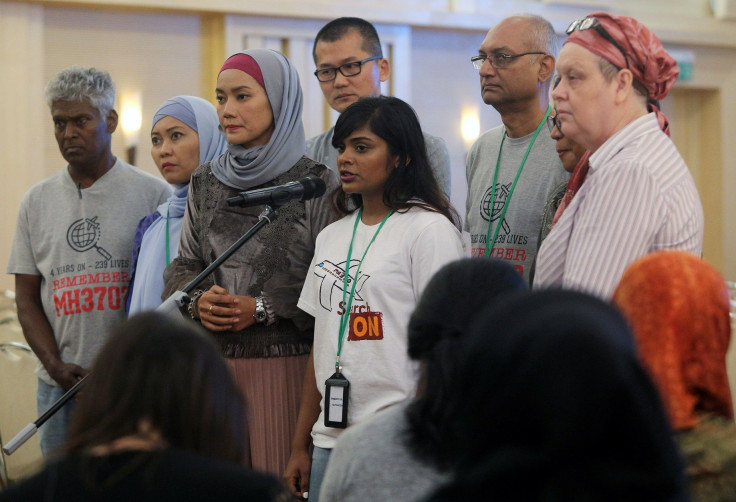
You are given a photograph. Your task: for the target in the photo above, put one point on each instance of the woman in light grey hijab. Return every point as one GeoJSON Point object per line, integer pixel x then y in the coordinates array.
{"type": "Point", "coordinates": [249, 303]}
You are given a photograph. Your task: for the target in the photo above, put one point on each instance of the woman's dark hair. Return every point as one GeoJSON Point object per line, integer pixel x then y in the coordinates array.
{"type": "Point", "coordinates": [454, 296]}
{"type": "Point", "coordinates": [169, 373]}
{"type": "Point", "coordinates": [552, 404]}
{"type": "Point", "coordinates": [412, 183]}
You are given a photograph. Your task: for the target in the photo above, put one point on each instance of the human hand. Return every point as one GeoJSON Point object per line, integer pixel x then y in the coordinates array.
{"type": "Point", "coordinates": [247, 306]}
{"type": "Point", "coordinates": [296, 475]}
{"type": "Point", "coordinates": [218, 309]}
{"type": "Point", "coordinates": [66, 374]}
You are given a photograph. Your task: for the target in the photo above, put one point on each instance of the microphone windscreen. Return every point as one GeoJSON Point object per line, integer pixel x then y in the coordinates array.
{"type": "Point", "coordinates": [313, 187]}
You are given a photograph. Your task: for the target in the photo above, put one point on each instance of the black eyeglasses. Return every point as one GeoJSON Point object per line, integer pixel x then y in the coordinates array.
{"type": "Point", "coordinates": [553, 121]}
{"type": "Point", "coordinates": [350, 69]}
{"type": "Point", "coordinates": [593, 23]}
{"type": "Point", "coordinates": [499, 60]}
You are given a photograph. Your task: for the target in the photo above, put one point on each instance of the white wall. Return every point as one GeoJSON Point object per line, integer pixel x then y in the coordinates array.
{"type": "Point", "coordinates": [444, 83]}
{"type": "Point", "coordinates": [156, 55]}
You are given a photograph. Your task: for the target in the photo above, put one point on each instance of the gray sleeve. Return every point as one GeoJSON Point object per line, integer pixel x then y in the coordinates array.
{"type": "Point", "coordinates": [21, 253]}
{"type": "Point", "coordinates": [470, 163]}
{"type": "Point", "coordinates": [439, 160]}
{"type": "Point", "coordinates": [319, 149]}
{"type": "Point", "coordinates": [337, 476]}
{"type": "Point", "coordinates": [164, 194]}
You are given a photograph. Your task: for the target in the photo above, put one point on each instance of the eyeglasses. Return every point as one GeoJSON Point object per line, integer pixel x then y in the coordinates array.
{"type": "Point", "coordinates": [554, 121]}
{"type": "Point", "coordinates": [592, 23]}
{"type": "Point", "coordinates": [350, 69]}
{"type": "Point", "coordinates": [500, 60]}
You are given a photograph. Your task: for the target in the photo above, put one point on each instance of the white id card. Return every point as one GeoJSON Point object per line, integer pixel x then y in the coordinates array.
{"type": "Point", "coordinates": [337, 393]}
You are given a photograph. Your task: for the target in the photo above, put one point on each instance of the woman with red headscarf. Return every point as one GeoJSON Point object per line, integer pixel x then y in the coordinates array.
{"type": "Point", "coordinates": [638, 194]}
{"type": "Point", "coordinates": [678, 307]}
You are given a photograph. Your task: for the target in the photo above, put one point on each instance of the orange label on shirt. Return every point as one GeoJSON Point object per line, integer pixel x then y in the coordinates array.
{"type": "Point", "coordinates": [365, 325]}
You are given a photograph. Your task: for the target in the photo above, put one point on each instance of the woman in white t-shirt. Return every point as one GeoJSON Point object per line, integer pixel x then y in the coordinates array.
{"type": "Point", "coordinates": [398, 230]}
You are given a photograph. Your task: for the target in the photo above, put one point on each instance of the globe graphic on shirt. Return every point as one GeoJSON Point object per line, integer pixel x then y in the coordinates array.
{"type": "Point", "coordinates": [83, 234]}
{"type": "Point", "coordinates": [502, 193]}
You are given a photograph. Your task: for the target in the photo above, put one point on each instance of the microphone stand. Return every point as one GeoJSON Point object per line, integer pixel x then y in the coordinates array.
{"type": "Point", "coordinates": [171, 306]}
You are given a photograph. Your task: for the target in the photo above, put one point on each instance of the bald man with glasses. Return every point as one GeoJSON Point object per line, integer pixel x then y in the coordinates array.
{"type": "Point", "coordinates": [513, 169]}
{"type": "Point", "coordinates": [350, 65]}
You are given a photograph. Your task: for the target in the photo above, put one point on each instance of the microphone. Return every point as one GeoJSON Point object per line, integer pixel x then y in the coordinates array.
{"type": "Point", "coordinates": [307, 188]}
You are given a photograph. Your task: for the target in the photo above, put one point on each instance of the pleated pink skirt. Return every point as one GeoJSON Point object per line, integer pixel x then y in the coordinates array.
{"type": "Point", "coordinates": [272, 388]}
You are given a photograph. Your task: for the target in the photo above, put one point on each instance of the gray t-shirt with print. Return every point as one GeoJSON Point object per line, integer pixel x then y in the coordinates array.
{"type": "Point", "coordinates": [80, 241]}
{"type": "Point", "coordinates": [541, 174]}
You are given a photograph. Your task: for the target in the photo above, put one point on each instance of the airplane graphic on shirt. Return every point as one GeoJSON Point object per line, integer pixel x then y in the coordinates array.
{"type": "Point", "coordinates": [333, 279]}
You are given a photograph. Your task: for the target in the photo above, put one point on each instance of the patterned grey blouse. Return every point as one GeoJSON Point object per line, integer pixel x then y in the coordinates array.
{"type": "Point", "coordinates": [273, 263]}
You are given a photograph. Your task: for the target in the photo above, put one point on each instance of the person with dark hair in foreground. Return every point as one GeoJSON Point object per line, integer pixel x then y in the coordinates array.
{"type": "Point", "coordinates": [160, 418]}
{"type": "Point", "coordinates": [399, 454]}
{"type": "Point", "coordinates": [369, 270]}
{"type": "Point", "coordinates": [551, 404]}
{"type": "Point", "coordinates": [678, 306]}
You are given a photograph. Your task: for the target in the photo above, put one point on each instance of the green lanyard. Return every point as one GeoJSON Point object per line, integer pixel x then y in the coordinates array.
{"type": "Point", "coordinates": [345, 318]}
{"type": "Point", "coordinates": [168, 247]}
{"type": "Point", "coordinates": [490, 244]}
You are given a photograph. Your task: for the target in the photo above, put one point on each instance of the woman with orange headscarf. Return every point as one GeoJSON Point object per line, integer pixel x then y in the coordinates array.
{"type": "Point", "coordinates": [678, 306]}
{"type": "Point", "coordinates": [638, 195]}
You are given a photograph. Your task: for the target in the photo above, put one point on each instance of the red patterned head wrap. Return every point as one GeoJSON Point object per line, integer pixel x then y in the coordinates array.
{"type": "Point", "coordinates": [678, 307]}
{"type": "Point", "coordinates": [244, 63]}
{"type": "Point", "coordinates": [645, 56]}
{"type": "Point", "coordinates": [650, 63]}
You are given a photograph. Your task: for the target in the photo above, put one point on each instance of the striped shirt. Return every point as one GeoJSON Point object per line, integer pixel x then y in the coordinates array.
{"type": "Point", "coordinates": [639, 197]}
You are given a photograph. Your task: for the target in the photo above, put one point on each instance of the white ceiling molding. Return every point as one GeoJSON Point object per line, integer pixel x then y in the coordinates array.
{"type": "Point", "coordinates": [674, 21]}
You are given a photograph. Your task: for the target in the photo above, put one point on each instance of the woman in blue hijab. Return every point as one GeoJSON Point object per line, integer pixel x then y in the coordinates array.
{"type": "Point", "coordinates": [185, 133]}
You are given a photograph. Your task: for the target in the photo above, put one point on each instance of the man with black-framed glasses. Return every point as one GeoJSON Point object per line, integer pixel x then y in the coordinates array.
{"type": "Point", "coordinates": [350, 65]}
{"type": "Point", "coordinates": [513, 169]}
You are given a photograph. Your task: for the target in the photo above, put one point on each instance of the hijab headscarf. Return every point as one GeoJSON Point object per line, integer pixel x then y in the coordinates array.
{"type": "Point", "coordinates": [553, 405]}
{"type": "Point", "coordinates": [678, 306]}
{"type": "Point", "coordinates": [149, 249]}
{"type": "Point", "coordinates": [454, 296]}
{"type": "Point", "coordinates": [243, 168]}
{"type": "Point", "coordinates": [645, 56]}
{"type": "Point", "coordinates": [201, 116]}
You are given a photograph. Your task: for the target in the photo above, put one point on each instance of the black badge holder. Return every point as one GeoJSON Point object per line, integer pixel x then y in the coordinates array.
{"type": "Point", "coordinates": [337, 394]}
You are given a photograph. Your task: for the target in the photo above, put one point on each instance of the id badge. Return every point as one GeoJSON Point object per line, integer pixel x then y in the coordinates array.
{"type": "Point", "coordinates": [337, 392]}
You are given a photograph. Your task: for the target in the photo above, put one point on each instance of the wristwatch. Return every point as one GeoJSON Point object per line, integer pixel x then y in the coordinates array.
{"type": "Point", "coordinates": [260, 313]}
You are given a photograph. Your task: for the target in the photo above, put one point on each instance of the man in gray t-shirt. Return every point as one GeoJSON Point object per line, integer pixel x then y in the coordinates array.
{"type": "Point", "coordinates": [73, 241]}
{"type": "Point", "coordinates": [513, 169]}
{"type": "Point", "coordinates": [350, 65]}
